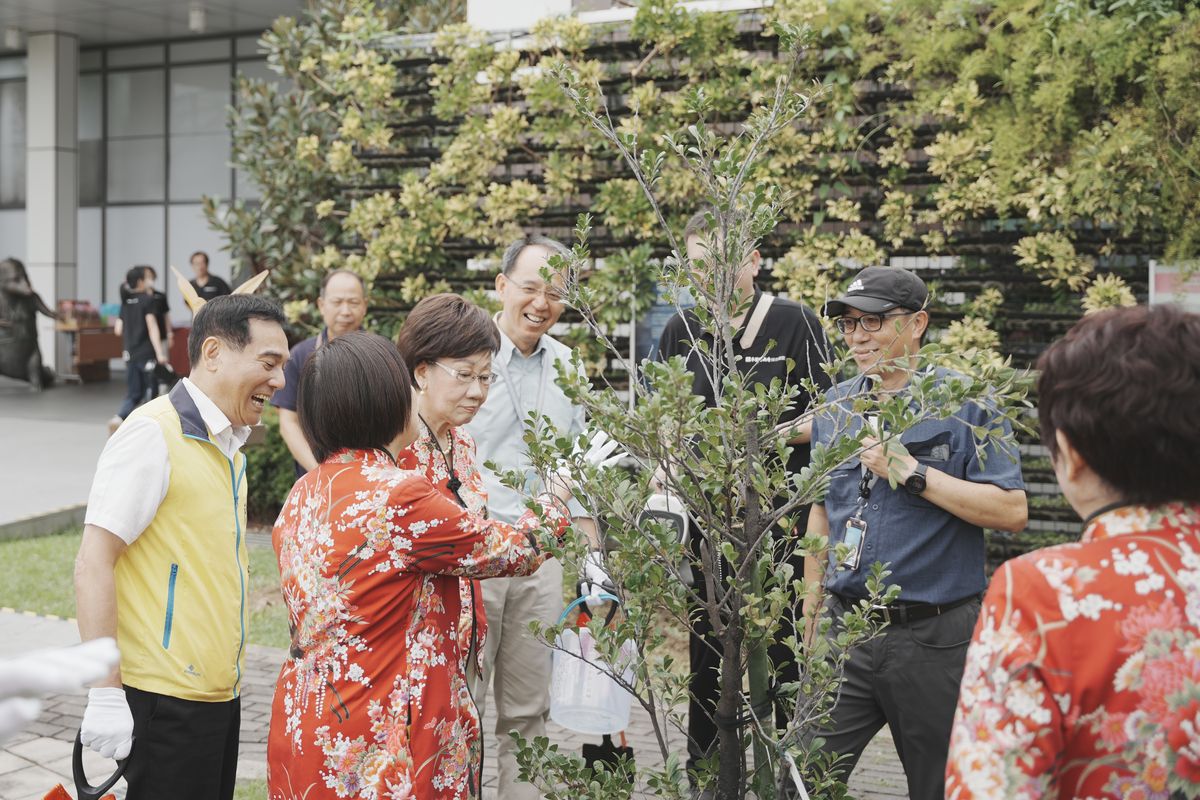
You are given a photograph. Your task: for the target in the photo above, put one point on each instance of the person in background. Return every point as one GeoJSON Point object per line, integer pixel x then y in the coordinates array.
{"type": "Point", "coordinates": [163, 564]}
{"type": "Point", "coordinates": [525, 369]}
{"type": "Point", "coordinates": [141, 342]}
{"type": "Point", "coordinates": [1083, 676]}
{"type": "Point", "coordinates": [928, 530]}
{"type": "Point", "coordinates": [164, 374]}
{"type": "Point", "coordinates": [775, 339]}
{"type": "Point", "coordinates": [447, 343]}
{"type": "Point", "coordinates": [206, 284]}
{"type": "Point", "coordinates": [373, 701]}
{"type": "Point", "coordinates": [343, 307]}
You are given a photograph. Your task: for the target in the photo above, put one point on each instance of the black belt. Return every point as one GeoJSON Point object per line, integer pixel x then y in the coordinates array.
{"type": "Point", "coordinates": [905, 613]}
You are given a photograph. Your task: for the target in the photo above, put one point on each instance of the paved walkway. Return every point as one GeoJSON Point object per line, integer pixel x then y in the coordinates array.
{"type": "Point", "coordinates": [50, 445]}
{"type": "Point", "coordinates": [36, 759]}
{"type": "Point", "coordinates": [52, 440]}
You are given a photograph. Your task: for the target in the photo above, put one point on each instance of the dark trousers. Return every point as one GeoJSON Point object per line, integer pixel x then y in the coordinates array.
{"type": "Point", "coordinates": [139, 383]}
{"type": "Point", "coordinates": [704, 653]}
{"type": "Point", "coordinates": [906, 678]}
{"type": "Point", "coordinates": [182, 749]}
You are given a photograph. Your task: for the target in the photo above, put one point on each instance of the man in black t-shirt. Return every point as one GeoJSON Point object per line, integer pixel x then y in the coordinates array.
{"type": "Point", "coordinates": [771, 332]}
{"type": "Point", "coordinates": [140, 339]}
{"type": "Point", "coordinates": [206, 284]}
{"type": "Point", "coordinates": [162, 315]}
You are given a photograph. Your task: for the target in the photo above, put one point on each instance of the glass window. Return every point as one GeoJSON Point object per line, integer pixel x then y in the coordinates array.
{"type": "Point", "coordinates": [13, 67]}
{"type": "Point", "coordinates": [200, 166]}
{"type": "Point", "coordinates": [12, 144]}
{"type": "Point", "coordinates": [89, 258]}
{"type": "Point", "coordinates": [136, 169]}
{"type": "Point", "coordinates": [199, 97]}
{"type": "Point", "coordinates": [135, 56]}
{"type": "Point", "coordinates": [257, 69]}
{"type": "Point", "coordinates": [203, 50]}
{"type": "Point", "coordinates": [91, 59]}
{"type": "Point", "coordinates": [12, 234]}
{"type": "Point", "coordinates": [133, 235]}
{"type": "Point", "coordinates": [91, 144]}
{"type": "Point", "coordinates": [199, 138]}
{"type": "Point", "coordinates": [247, 47]}
{"type": "Point", "coordinates": [135, 103]}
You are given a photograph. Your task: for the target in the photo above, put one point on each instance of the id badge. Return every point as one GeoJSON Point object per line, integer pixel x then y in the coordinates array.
{"type": "Point", "coordinates": [856, 531]}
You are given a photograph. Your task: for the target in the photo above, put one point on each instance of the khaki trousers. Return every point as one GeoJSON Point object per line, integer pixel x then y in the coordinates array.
{"type": "Point", "coordinates": [517, 665]}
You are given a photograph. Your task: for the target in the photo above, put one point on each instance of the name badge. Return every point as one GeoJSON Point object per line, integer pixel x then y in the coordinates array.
{"type": "Point", "coordinates": [856, 532]}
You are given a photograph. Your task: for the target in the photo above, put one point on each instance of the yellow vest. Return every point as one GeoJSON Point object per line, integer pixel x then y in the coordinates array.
{"type": "Point", "coordinates": [181, 585]}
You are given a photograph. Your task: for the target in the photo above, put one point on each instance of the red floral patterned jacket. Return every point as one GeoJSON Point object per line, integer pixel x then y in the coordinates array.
{"type": "Point", "coordinates": [373, 702]}
{"type": "Point", "coordinates": [1083, 677]}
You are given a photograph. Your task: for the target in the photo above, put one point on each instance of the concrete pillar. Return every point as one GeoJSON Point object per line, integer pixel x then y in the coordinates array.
{"type": "Point", "coordinates": [52, 179]}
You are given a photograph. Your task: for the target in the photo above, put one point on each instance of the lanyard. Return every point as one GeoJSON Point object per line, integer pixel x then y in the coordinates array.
{"type": "Point", "coordinates": [514, 398]}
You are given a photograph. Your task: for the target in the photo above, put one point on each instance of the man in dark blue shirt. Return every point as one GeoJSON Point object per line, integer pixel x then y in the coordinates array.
{"type": "Point", "coordinates": [343, 307]}
{"type": "Point", "coordinates": [929, 530]}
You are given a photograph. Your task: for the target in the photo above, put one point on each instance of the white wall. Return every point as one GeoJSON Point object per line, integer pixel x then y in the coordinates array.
{"type": "Point", "coordinates": [507, 15]}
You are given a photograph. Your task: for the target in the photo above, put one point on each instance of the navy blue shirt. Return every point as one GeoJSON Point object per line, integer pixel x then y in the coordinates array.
{"type": "Point", "coordinates": [289, 396]}
{"type": "Point", "coordinates": [934, 556]}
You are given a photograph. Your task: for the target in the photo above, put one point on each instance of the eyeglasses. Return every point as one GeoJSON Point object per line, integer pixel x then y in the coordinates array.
{"type": "Point", "coordinates": [551, 294]}
{"type": "Point", "coordinates": [485, 379]}
{"type": "Point", "coordinates": [869, 322]}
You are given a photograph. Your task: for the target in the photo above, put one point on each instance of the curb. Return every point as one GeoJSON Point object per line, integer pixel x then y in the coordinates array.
{"type": "Point", "coordinates": [35, 615]}
{"type": "Point", "coordinates": [44, 524]}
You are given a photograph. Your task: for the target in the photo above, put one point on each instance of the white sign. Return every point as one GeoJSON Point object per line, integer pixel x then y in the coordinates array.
{"type": "Point", "coordinates": [1168, 286]}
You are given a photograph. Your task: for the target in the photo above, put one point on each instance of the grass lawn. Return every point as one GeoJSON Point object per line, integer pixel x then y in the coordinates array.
{"type": "Point", "coordinates": [250, 790]}
{"type": "Point", "coordinates": [40, 579]}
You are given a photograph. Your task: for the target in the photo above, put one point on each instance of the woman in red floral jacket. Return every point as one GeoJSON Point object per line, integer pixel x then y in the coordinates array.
{"type": "Point", "coordinates": [447, 343]}
{"type": "Point", "coordinates": [1083, 677]}
{"type": "Point", "coordinates": [373, 702]}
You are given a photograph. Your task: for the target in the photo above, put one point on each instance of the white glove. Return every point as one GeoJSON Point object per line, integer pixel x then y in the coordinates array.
{"type": "Point", "coordinates": [107, 724]}
{"type": "Point", "coordinates": [603, 451]}
{"type": "Point", "coordinates": [595, 579]}
{"type": "Point", "coordinates": [27, 677]}
{"type": "Point", "coordinates": [66, 669]}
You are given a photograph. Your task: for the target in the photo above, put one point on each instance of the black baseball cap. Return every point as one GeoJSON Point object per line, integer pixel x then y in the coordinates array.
{"type": "Point", "coordinates": [879, 289]}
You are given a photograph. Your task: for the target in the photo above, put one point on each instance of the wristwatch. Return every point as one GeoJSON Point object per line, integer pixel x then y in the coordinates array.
{"type": "Point", "coordinates": [915, 483]}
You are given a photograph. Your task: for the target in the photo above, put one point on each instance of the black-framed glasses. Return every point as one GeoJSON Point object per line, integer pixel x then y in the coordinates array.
{"type": "Point", "coordinates": [485, 379]}
{"type": "Point", "coordinates": [869, 322]}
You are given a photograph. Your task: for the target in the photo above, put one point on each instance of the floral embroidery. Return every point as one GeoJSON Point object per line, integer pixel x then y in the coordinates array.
{"type": "Point", "coordinates": [1107, 705]}
{"type": "Point", "coordinates": [423, 456]}
{"type": "Point", "coordinates": [372, 704]}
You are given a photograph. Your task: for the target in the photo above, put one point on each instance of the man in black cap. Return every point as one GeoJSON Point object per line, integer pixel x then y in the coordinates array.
{"type": "Point", "coordinates": [928, 530]}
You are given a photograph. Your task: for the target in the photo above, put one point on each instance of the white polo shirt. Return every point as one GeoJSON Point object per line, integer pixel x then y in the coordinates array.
{"type": "Point", "coordinates": [134, 472]}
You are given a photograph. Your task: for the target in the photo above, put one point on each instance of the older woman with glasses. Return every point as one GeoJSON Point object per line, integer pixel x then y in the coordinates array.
{"type": "Point", "coordinates": [447, 343]}
{"type": "Point", "coordinates": [373, 701]}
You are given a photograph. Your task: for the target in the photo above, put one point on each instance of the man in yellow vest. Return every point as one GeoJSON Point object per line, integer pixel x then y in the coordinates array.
{"type": "Point", "coordinates": [162, 565]}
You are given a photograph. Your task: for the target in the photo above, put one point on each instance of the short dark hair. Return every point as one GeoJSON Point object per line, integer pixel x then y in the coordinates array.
{"type": "Point", "coordinates": [329, 276]}
{"type": "Point", "coordinates": [698, 224]}
{"type": "Point", "coordinates": [354, 392]}
{"type": "Point", "coordinates": [445, 326]}
{"type": "Point", "coordinates": [199, 253]}
{"type": "Point", "coordinates": [1124, 387]}
{"type": "Point", "coordinates": [134, 275]}
{"type": "Point", "coordinates": [228, 317]}
{"type": "Point", "coordinates": [514, 250]}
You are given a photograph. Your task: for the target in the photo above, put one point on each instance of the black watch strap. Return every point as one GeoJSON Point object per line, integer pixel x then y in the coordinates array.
{"type": "Point", "coordinates": [915, 483]}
